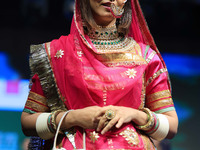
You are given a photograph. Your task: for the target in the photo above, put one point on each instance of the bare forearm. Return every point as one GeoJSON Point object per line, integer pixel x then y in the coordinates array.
{"type": "Point", "coordinates": [173, 123]}
{"type": "Point", "coordinates": [28, 122]}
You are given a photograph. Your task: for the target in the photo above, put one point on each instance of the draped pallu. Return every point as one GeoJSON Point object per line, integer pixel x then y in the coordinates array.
{"type": "Point", "coordinates": [70, 73]}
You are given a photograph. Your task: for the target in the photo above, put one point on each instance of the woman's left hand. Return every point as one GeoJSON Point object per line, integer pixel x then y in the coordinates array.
{"type": "Point", "coordinates": [122, 115]}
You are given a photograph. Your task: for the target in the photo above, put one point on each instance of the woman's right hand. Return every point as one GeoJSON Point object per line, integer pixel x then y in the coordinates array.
{"type": "Point", "coordinates": [85, 118]}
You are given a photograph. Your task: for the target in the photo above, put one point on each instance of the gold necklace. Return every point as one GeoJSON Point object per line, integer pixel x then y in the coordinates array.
{"type": "Point", "coordinates": [108, 33]}
{"type": "Point", "coordinates": [108, 40]}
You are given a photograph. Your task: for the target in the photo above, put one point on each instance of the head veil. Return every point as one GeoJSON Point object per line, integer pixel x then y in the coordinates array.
{"type": "Point", "coordinates": [138, 29]}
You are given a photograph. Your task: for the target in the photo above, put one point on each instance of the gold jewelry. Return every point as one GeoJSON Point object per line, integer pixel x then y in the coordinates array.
{"type": "Point", "coordinates": [108, 40]}
{"type": "Point", "coordinates": [109, 114]}
{"type": "Point", "coordinates": [150, 122]}
{"type": "Point", "coordinates": [163, 128]}
{"type": "Point", "coordinates": [53, 119]}
{"type": "Point", "coordinates": [101, 33]}
{"type": "Point", "coordinates": [116, 11]}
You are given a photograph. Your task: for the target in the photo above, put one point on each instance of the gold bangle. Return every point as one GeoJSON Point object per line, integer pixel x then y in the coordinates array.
{"type": "Point", "coordinates": [53, 119]}
{"type": "Point", "coordinates": [150, 122]}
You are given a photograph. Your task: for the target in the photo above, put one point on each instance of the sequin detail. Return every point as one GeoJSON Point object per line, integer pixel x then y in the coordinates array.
{"type": "Point", "coordinates": [131, 73]}
{"type": "Point", "coordinates": [36, 103]}
{"type": "Point", "coordinates": [155, 75]}
{"type": "Point", "coordinates": [59, 54]}
{"type": "Point", "coordinates": [150, 56]}
{"type": "Point", "coordinates": [94, 136]}
{"type": "Point", "coordinates": [158, 95]}
{"type": "Point", "coordinates": [130, 136]}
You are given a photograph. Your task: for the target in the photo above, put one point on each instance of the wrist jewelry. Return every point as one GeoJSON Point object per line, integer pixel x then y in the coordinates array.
{"type": "Point", "coordinates": [150, 122]}
{"type": "Point", "coordinates": [163, 128]}
{"type": "Point", "coordinates": [53, 119]}
{"type": "Point", "coordinates": [57, 131]}
{"type": "Point", "coordinates": [156, 125]}
{"type": "Point", "coordinates": [42, 128]}
{"type": "Point", "coordinates": [50, 125]}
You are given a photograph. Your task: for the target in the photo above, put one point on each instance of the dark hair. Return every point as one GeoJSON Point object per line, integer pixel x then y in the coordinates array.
{"type": "Point", "coordinates": [122, 23]}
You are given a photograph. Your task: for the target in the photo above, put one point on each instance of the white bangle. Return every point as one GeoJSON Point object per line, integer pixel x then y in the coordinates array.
{"type": "Point", "coordinates": [163, 128]}
{"type": "Point", "coordinates": [42, 127]}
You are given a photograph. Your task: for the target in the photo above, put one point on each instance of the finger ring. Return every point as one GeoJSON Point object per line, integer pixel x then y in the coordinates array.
{"type": "Point", "coordinates": [110, 114]}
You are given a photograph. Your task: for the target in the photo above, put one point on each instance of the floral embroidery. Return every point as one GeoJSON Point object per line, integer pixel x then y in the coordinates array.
{"type": "Point", "coordinates": [131, 73]}
{"type": "Point", "coordinates": [79, 53]}
{"type": "Point", "coordinates": [131, 136]}
{"type": "Point", "coordinates": [94, 136]}
{"type": "Point", "coordinates": [59, 53]}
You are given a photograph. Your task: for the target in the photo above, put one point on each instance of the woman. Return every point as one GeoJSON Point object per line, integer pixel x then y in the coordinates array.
{"type": "Point", "coordinates": [115, 86]}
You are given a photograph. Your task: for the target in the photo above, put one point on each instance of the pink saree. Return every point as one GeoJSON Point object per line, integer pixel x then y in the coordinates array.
{"type": "Point", "coordinates": [84, 77]}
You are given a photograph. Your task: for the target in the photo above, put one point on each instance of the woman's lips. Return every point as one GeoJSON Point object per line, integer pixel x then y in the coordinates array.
{"type": "Point", "coordinates": [107, 5]}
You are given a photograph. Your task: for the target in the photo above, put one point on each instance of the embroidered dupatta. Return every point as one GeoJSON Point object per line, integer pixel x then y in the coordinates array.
{"type": "Point", "coordinates": [84, 77]}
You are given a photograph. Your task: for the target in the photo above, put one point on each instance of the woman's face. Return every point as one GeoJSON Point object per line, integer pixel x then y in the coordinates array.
{"type": "Point", "coordinates": [101, 10]}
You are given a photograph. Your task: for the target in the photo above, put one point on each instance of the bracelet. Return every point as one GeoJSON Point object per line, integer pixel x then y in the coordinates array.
{"type": "Point", "coordinates": [42, 128]}
{"type": "Point", "coordinates": [50, 125]}
{"type": "Point", "coordinates": [57, 131]}
{"type": "Point", "coordinates": [156, 125]}
{"type": "Point", "coordinates": [53, 119]}
{"type": "Point", "coordinates": [163, 128]}
{"type": "Point", "coordinates": [150, 122]}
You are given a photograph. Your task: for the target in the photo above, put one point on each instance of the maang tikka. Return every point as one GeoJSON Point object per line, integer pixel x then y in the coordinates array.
{"type": "Point", "coordinates": [117, 11]}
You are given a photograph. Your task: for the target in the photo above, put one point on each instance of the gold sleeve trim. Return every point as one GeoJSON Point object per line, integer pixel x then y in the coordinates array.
{"type": "Point", "coordinates": [155, 75]}
{"type": "Point", "coordinates": [37, 97]}
{"type": "Point", "coordinates": [158, 95]}
{"type": "Point", "coordinates": [36, 106]}
{"type": "Point", "coordinates": [160, 103]}
{"type": "Point", "coordinates": [150, 57]}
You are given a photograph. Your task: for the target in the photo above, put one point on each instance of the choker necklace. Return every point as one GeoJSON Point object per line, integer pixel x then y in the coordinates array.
{"type": "Point", "coordinates": [108, 40]}
{"type": "Point", "coordinates": [103, 33]}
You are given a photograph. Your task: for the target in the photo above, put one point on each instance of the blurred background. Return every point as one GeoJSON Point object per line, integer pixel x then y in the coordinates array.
{"type": "Point", "coordinates": [173, 23]}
